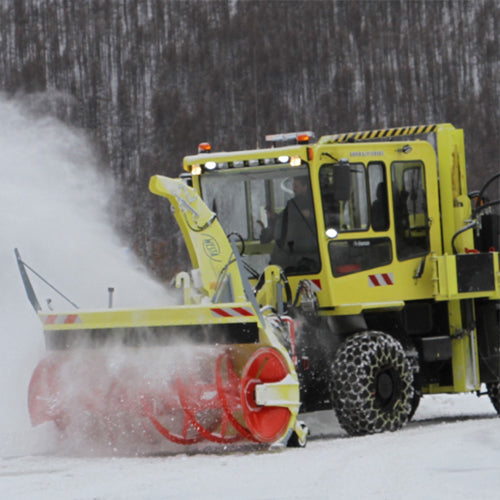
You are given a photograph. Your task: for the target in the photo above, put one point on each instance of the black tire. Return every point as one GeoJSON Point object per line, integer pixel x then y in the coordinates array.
{"type": "Point", "coordinates": [295, 441]}
{"type": "Point", "coordinates": [415, 401]}
{"type": "Point", "coordinates": [372, 384]}
{"type": "Point", "coordinates": [413, 360]}
{"type": "Point", "coordinates": [494, 394]}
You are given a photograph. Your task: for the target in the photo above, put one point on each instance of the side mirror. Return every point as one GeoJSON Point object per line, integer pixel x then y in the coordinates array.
{"type": "Point", "coordinates": [341, 188]}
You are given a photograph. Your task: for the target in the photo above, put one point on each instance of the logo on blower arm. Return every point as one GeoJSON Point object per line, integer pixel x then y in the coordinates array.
{"type": "Point", "coordinates": [211, 247]}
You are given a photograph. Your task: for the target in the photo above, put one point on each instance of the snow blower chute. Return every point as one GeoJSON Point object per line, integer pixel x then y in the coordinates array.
{"type": "Point", "coordinates": [214, 368]}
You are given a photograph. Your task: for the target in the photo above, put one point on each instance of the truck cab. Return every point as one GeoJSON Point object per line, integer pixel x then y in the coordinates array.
{"type": "Point", "coordinates": [367, 217]}
{"type": "Point", "coordinates": [373, 232]}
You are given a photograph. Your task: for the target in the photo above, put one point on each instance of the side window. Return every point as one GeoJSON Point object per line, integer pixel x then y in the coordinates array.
{"type": "Point", "coordinates": [356, 211]}
{"type": "Point", "coordinates": [351, 212]}
{"type": "Point", "coordinates": [378, 197]}
{"type": "Point", "coordinates": [352, 256]}
{"type": "Point", "coordinates": [410, 209]}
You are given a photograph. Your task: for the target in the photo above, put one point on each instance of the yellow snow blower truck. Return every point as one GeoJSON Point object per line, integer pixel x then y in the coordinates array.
{"type": "Point", "coordinates": [354, 272]}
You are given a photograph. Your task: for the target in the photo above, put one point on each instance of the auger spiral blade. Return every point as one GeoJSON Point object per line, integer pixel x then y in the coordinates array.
{"type": "Point", "coordinates": [206, 401]}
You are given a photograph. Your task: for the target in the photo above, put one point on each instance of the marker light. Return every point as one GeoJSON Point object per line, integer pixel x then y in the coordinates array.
{"type": "Point", "coordinates": [204, 147]}
{"type": "Point", "coordinates": [331, 233]}
{"type": "Point", "coordinates": [303, 138]}
{"type": "Point", "coordinates": [211, 165]}
{"type": "Point", "coordinates": [195, 169]}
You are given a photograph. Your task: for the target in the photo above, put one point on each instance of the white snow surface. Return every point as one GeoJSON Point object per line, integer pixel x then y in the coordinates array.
{"type": "Point", "coordinates": [53, 208]}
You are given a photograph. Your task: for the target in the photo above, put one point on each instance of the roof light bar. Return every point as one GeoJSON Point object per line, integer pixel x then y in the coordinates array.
{"type": "Point", "coordinates": [294, 137]}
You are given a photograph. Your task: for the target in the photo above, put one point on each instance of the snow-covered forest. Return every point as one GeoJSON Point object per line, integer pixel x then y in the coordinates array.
{"type": "Point", "coordinates": [148, 80]}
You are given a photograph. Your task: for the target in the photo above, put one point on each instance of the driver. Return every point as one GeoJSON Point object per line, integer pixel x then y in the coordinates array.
{"type": "Point", "coordinates": [295, 233]}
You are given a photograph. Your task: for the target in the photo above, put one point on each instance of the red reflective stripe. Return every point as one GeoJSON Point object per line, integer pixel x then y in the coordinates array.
{"type": "Point", "coordinates": [221, 312]}
{"type": "Point", "coordinates": [50, 319]}
{"type": "Point", "coordinates": [381, 279]}
{"type": "Point", "coordinates": [243, 312]}
{"type": "Point", "coordinates": [62, 319]}
{"type": "Point", "coordinates": [233, 311]}
{"type": "Point", "coordinates": [387, 278]}
{"type": "Point", "coordinates": [317, 283]}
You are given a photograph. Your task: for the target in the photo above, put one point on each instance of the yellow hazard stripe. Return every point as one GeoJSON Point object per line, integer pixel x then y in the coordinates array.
{"type": "Point", "coordinates": [380, 133]}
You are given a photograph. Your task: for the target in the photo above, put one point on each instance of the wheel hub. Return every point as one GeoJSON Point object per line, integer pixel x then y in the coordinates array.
{"type": "Point", "coordinates": [386, 388]}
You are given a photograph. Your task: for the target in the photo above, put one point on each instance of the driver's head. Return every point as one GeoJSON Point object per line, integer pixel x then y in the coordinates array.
{"type": "Point", "coordinates": [300, 185]}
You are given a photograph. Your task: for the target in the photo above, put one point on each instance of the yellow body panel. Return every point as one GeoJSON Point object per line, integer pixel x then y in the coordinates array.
{"type": "Point", "coordinates": [129, 318]}
{"type": "Point", "coordinates": [431, 276]}
{"type": "Point", "coordinates": [446, 282]}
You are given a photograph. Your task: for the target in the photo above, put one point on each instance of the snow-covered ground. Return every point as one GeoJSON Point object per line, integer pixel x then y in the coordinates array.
{"type": "Point", "coordinates": [52, 206]}
{"type": "Point", "coordinates": [454, 456]}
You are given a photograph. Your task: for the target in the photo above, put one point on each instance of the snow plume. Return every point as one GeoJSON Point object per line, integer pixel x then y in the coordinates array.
{"type": "Point", "coordinates": [112, 399]}
{"type": "Point", "coordinates": [53, 207]}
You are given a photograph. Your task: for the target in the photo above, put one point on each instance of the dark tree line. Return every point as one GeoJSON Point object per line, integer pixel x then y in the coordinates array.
{"type": "Point", "coordinates": [150, 79]}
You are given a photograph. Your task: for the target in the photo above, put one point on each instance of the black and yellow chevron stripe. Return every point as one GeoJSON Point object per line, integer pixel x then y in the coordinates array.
{"type": "Point", "coordinates": [379, 133]}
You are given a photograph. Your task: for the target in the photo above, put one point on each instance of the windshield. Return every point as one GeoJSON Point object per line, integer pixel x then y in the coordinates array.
{"type": "Point", "coordinates": [272, 211]}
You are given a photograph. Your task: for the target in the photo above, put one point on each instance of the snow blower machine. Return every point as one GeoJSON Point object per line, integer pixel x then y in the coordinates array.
{"type": "Point", "coordinates": [358, 275]}
{"type": "Point", "coordinates": [213, 368]}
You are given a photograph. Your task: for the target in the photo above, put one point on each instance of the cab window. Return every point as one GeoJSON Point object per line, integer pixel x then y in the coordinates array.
{"type": "Point", "coordinates": [227, 198]}
{"type": "Point", "coordinates": [379, 213]}
{"type": "Point", "coordinates": [353, 256]}
{"type": "Point", "coordinates": [350, 211]}
{"type": "Point", "coordinates": [410, 209]}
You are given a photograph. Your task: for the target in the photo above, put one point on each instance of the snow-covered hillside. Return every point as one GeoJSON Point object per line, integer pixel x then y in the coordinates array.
{"type": "Point", "coordinates": [53, 206]}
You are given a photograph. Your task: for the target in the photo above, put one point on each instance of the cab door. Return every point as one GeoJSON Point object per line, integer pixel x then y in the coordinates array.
{"type": "Point", "coordinates": [415, 206]}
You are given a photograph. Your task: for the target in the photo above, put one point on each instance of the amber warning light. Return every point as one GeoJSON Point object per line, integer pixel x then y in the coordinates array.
{"type": "Point", "coordinates": [303, 138]}
{"type": "Point", "coordinates": [204, 147]}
